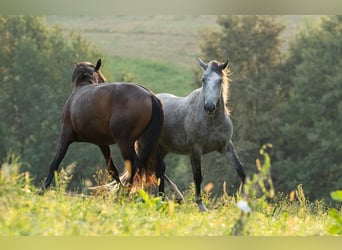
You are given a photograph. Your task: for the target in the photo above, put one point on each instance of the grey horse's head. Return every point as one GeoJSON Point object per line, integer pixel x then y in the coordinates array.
{"type": "Point", "coordinates": [212, 79]}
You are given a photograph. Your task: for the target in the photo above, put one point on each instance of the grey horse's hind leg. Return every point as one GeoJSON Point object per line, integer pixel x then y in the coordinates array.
{"type": "Point", "coordinates": [195, 160]}
{"type": "Point", "coordinates": [173, 187]}
{"type": "Point", "coordinates": [230, 153]}
{"type": "Point", "coordinates": [178, 195]}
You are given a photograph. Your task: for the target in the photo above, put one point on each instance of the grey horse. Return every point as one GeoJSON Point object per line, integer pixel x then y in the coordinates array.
{"type": "Point", "coordinates": [199, 123]}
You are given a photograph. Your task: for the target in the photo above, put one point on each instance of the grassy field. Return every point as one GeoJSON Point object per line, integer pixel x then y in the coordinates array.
{"type": "Point", "coordinates": [157, 51]}
{"type": "Point", "coordinates": [156, 38]}
{"type": "Point", "coordinates": [58, 213]}
{"type": "Point", "coordinates": [169, 38]}
{"type": "Point", "coordinates": [158, 76]}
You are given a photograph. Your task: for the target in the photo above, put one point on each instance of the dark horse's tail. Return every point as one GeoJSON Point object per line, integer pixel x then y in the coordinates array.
{"type": "Point", "coordinates": [148, 144]}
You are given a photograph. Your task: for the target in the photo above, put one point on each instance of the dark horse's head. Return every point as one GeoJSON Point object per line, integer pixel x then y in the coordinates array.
{"type": "Point", "coordinates": [214, 81]}
{"type": "Point", "coordinates": [86, 73]}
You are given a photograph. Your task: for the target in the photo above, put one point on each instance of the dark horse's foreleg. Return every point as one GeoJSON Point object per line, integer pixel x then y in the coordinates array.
{"type": "Point", "coordinates": [195, 160]}
{"type": "Point", "coordinates": [65, 140]}
{"type": "Point", "coordinates": [112, 168]}
{"type": "Point", "coordinates": [230, 153]}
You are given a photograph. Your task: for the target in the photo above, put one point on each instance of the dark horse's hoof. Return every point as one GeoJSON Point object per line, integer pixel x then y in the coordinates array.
{"type": "Point", "coordinates": [41, 191]}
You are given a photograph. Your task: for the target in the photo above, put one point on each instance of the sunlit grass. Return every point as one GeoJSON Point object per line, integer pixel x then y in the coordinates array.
{"type": "Point", "coordinates": [58, 212]}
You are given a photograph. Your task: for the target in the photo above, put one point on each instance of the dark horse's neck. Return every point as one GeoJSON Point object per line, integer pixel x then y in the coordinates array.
{"type": "Point", "coordinates": [79, 84]}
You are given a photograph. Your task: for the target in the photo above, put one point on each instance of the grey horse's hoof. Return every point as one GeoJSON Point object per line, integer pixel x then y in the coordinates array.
{"type": "Point", "coordinates": [201, 206]}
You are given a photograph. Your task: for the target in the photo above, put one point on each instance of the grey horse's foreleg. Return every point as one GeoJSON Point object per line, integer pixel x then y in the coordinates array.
{"type": "Point", "coordinates": [231, 154]}
{"type": "Point", "coordinates": [195, 160]}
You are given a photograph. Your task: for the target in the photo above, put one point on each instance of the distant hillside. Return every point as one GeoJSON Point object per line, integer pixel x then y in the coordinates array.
{"type": "Point", "coordinates": [160, 38]}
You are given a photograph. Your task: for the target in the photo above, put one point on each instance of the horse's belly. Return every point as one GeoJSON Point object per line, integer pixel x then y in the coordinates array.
{"type": "Point", "coordinates": [95, 137]}
{"type": "Point", "coordinates": [173, 137]}
{"type": "Point", "coordinates": [184, 141]}
{"type": "Point", "coordinates": [92, 128]}
{"type": "Point", "coordinates": [175, 146]}
{"type": "Point", "coordinates": [214, 145]}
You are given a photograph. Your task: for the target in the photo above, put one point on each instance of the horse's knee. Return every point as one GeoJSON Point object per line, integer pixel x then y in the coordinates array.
{"type": "Point", "coordinates": [242, 174]}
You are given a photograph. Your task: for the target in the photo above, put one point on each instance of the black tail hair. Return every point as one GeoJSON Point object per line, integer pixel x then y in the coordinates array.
{"type": "Point", "coordinates": [148, 144]}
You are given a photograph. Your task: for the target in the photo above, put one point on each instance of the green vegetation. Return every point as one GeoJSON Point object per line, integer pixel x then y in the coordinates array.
{"type": "Point", "coordinates": [36, 63]}
{"type": "Point", "coordinates": [311, 121]}
{"type": "Point", "coordinates": [57, 212]}
{"type": "Point", "coordinates": [336, 228]}
{"type": "Point", "coordinates": [284, 92]}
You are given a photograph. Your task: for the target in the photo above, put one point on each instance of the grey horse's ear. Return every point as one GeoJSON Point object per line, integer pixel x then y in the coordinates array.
{"type": "Point", "coordinates": [224, 65]}
{"type": "Point", "coordinates": [98, 65]}
{"type": "Point", "coordinates": [201, 63]}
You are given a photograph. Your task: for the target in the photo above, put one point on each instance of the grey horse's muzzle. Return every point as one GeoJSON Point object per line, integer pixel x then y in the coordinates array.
{"type": "Point", "coordinates": [209, 108]}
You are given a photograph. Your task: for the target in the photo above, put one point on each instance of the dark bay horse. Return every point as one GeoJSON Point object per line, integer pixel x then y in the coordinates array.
{"type": "Point", "coordinates": [199, 123]}
{"type": "Point", "coordinates": [111, 113]}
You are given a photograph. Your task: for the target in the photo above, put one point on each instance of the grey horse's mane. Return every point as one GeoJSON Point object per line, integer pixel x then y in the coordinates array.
{"type": "Point", "coordinates": [226, 73]}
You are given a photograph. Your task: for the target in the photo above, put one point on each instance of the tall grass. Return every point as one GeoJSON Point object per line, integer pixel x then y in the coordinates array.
{"type": "Point", "coordinates": [59, 212]}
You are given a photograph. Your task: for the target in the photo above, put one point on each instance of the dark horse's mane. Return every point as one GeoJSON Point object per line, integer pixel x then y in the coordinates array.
{"type": "Point", "coordinates": [84, 74]}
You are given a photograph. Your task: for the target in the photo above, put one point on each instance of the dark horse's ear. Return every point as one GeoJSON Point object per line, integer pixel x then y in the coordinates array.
{"type": "Point", "coordinates": [224, 65]}
{"type": "Point", "coordinates": [201, 63]}
{"type": "Point", "coordinates": [98, 65]}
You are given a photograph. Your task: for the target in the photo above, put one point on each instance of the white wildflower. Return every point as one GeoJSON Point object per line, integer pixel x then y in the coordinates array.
{"type": "Point", "coordinates": [243, 205]}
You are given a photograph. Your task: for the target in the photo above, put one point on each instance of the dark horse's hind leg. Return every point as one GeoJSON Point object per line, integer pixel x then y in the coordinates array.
{"type": "Point", "coordinates": [65, 140]}
{"type": "Point", "coordinates": [112, 168]}
{"type": "Point", "coordinates": [195, 160]}
{"type": "Point", "coordinates": [128, 154]}
{"type": "Point", "coordinates": [230, 154]}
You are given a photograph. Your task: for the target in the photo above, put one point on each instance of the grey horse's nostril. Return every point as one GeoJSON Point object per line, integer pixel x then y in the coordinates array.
{"type": "Point", "coordinates": [209, 107]}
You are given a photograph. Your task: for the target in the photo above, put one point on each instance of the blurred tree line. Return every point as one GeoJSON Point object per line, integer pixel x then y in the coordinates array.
{"type": "Point", "coordinates": [36, 63]}
{"type": "Point", "coordinates": [291, 99]}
